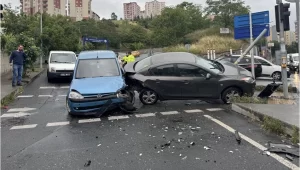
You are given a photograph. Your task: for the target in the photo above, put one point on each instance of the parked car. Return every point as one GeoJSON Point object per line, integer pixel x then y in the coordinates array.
{"type": "Point", "coordinates": [61, 65]}
{"type": "Point", "coordinates": [245, 63]}
{"type": "Point", "coordinates": [97, 85]}
{"type": "Point", "coordinates": [181, 75]}
{"type": "Point", "coordinates": [293, 62]}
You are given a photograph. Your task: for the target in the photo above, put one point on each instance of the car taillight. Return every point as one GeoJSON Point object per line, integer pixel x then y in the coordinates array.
{"type": "Point", "coordinates": [249, 66]}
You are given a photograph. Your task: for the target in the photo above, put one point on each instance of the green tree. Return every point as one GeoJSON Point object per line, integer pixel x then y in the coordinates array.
{"type": "Point", "coordinates": [225, 10]}
{"type": "Point", "coordinates": [113, 16]}
{"type": "Point", "coordinates": [293, 48]}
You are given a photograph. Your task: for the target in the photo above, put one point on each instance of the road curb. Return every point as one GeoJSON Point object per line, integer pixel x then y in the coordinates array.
{"type": "Point", "coordinates": [258, 116]}
{"type": "Point", "coordinates": [20, 89]}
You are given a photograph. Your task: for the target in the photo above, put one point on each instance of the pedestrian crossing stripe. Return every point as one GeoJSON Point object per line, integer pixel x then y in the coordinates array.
{"type": "Point", "coordinates": [95, 120]}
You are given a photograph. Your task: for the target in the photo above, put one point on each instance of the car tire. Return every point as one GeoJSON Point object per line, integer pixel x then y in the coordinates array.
{"type": "Point", "coordinates": [50, 80]}
{"type": "Point", "coordinates": [277, 75]}
{"type": "Point", "coordinates": [227, 93]}
{"type": "Point", "coordinates": [68, 109]}
{"type": "Point", "coordinates": [148, 97]}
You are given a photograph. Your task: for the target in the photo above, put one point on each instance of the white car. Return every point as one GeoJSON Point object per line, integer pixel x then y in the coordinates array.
{"type": "Point", "coordinates": [269, 69]}
{"type": "Point", "coordinates": [61, 65]}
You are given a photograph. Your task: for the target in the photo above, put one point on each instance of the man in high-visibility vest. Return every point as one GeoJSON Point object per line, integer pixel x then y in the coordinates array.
{"type": "Point", "coordinates": [130, 58]}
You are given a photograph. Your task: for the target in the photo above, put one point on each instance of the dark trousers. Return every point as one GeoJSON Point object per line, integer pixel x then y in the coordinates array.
{"type": "Point", "coordinates": [17, 74]}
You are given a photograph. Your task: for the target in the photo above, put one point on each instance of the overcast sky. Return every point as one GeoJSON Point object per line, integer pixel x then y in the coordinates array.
{"type": "Point", "coordinates": [104, 8]}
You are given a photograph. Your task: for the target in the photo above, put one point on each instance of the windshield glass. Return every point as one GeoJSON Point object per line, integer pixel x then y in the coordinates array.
{"type": "Point", "coordinates": [102, 67]}
{"type": "Point", "coordinates": [63, 58]}
{"type": "Point", "coordinates": [209, 65]}
{"type": "Point", "coordinates": [142, 64]}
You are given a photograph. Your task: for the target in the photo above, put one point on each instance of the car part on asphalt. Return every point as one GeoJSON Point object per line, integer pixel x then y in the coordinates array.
{"type": "Point", "coordinates": [237, 137]}
{"type": "Point", "coordinates": [269, 90]}
{"type": "Point", "coordinates": [289, 157]}
{"type": "Point", "coordinates": [280, 148]}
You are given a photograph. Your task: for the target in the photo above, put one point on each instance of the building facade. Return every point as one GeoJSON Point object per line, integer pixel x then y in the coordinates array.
{"type": "Point", "coordinates": [297, 31]}
{"type": "Point", "coordinates": [52, 7]}
{"type": "Point", "coordinates": [289, 37]}
{"type": "Point", "coordinates": [80, 9]}
{"type": "Point", "coordinates": [154, 8]}
{"type": "Point", "coordinates": [131, 10]}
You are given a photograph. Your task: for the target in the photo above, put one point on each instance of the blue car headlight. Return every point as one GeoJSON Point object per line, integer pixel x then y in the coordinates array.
{"type": "Point", "coordinates": [75, 95]}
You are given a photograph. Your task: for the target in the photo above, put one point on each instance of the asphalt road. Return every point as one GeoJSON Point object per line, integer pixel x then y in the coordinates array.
{"type": "Point", "coordinates": [169, 135]}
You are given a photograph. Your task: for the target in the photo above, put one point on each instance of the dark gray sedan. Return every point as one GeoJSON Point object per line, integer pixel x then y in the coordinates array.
{"type": "Point", "coordinates": [181, 75]}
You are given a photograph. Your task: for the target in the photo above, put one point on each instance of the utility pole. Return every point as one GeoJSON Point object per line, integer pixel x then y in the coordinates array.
{"type": "Point", "coordinates": [41, 24]}
{"type": "Point", "coordinates": [251, 51]}
{"type": "Point", "coordinates": [282, 19]}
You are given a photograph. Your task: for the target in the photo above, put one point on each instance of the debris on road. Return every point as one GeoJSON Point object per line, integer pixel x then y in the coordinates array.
{"type": "Point", "coordinates": [212, 133]}
{"type": "Point", "coordinates": [289, 157]}
{"type": "Point", "coordinates": [231, 151]}
{"type": "Point", "coordinates": [88, 163]}
{"type": "Point", "coordinates": [184, 158]}
{"type": "Point", "coordinates": [207, 148]}
{"type": "Point", "coordinates": [266, 153]}
{"type": "Point", "coordinates": [99, 145]}
{"type": "Point", "coordinates": [179, 133]}
{"type": "Point", "coordinates": [237, 137]}
{"type": "Point", "coordinates": [192, 143]}
{"type": "Point", "coordinates": [197, 158]}
{"type": "Point", "coordinates": [141, 154]}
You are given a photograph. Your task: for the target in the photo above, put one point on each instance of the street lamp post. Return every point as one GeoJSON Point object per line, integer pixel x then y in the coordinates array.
{"type": "Point", "coordinates": [298, 21]}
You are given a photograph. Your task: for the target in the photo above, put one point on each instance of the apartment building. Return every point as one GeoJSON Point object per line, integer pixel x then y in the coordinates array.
{"type": "Point", "coordinates": [52, 7]}
{"type": "Point", "coordinates": [273, 34]}
{"type": "Point", "coordinates": [289, 37]}
{"type": "Point", "coordinates": [154, 8]}
{"type": "Point", "coordinates": [131, 10]}
{"type": "Point", "coordinates": [143, 14]}
{"type": "Point", "coordinates": [80, 9]}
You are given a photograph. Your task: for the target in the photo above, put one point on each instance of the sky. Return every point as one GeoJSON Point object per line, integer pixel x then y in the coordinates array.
{"type": "Point", "coordinates": [104, 8]}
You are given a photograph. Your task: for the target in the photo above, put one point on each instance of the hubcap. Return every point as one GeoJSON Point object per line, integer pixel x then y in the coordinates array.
{"type": "Point", "coordinates": [232, 93]}
{"type": "Point", "coordinates": [276, 76]}
{"type": "Point", "coordinates": [149, 97]}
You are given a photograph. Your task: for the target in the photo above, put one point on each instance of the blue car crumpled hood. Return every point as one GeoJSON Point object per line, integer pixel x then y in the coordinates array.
{"type": "Point", "coordinates": [97, 85]}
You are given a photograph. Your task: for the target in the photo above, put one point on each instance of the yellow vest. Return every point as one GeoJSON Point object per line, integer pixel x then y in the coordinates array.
{"type": "Point", "coordinates": [125, 58]}
{"type": "Point", "coordinates": [130, 58]}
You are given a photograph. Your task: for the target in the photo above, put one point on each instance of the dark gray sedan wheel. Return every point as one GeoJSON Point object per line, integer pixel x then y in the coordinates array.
{"type": "Point", "coordinates": [229, 93]}
{"type": "Point", "coordinates": [148, 97]}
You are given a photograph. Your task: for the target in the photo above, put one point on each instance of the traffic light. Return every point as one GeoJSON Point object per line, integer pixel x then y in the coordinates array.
{"type": "Point", "coordinates": [1, 9]}
{"type": "Point", "coordinates": [282, 12]}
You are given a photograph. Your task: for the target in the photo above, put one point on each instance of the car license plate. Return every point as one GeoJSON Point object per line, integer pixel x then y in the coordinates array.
{"type": "Point", "coordinates": [64, 74]}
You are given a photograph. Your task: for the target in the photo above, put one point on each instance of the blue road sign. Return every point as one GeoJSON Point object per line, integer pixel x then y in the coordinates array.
{"type": "Point", "coordinates": [260, 21]}
{"type": "Point", "coordinates": [95, 40]}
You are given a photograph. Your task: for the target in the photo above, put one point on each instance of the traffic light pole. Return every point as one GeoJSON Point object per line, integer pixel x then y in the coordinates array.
{"type": "Point", "coordinates": [283, 57]}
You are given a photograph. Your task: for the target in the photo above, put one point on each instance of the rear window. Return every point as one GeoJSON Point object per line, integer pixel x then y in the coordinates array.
{"type": "Point", "coordinates": [245, 60]}
{"type": "Point", "coordinates": [63, 58]}
{"type": "Point", "coordinates": [100, 67]}
{"type": "Point", "coordinates": [142, 64]}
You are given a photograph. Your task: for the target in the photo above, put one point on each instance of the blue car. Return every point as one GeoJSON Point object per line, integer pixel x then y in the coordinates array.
{"type": "Point", "coordinates": [97, 85]}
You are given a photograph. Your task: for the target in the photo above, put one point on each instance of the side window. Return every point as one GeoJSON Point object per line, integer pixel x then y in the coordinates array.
{"type": "Point", "coordinates": [190, 71]}
{"type": "Point", "coordinates": [264, 63]}
{"type": "Point", "coordinates": [165, 70]}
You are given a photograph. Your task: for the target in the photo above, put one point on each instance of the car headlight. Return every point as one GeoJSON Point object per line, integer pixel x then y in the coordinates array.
{"type": "Point", "coordinates": [75, 95]}
{"type": "Point", "coordinates": [52, 69]}
{"type": "Point", "coordinates": [248, 79]}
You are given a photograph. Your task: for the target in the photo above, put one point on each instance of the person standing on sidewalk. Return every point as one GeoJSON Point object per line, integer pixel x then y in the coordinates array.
{"type": "Point", "coordinates": [18, 57]}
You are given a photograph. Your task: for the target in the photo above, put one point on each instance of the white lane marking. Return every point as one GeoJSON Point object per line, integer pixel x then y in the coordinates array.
{"type": "Point", "coordinates": [15, 115]}
{"type": "Point", "coordinates": [193, 111]}
{"type": "Point", "coordinates": [23, 127]}
{"type": "Point", "coordinates": [89, 120]}
{"type": "Point", "coordinates": [63, 95]}
{"type": "Point", "coordinates": [65, 87]}
{"type": "Point", "coordinates": [24, 96]}
{"type": "Point", "coordinates": [25, 109]}
{"type": "Point", "coordinates": [58, 123]}
{"type": "Point", "coordinates": [117, 117]}
{"type": "Point", "coordinates": [254, 143]}
{"type": "Point", "coordinates": [48, 87]}
{"type": "Point", "coordinates": [145, 115]}
{"type": "Point", "coordinates": [169, 113]}
{"type": "Point", "coordinates": [45, 96]}
{"type": "Point", "coordinates": [214, 109]}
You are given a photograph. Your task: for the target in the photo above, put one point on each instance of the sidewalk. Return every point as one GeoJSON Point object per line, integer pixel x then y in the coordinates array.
{"type": "Point", "coordinates": [6, 83]}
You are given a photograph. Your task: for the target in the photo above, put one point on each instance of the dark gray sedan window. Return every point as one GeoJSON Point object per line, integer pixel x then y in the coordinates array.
{"type": "Point", "coordinates": [188, 70]}
{"type": "Point", "coordinates": [165, 70]}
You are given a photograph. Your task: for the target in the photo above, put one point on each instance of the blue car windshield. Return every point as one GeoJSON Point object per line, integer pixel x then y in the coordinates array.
{"type": "Point", "coordinates": [99, 67]}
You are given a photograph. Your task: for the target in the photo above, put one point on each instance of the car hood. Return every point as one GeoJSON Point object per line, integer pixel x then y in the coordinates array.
{"type": "Point", "coordinates": [97, 85]}
{"type": "Point", "coordinates": [234, 70]}
{"type": "Point", "coordinates": [62, 66]}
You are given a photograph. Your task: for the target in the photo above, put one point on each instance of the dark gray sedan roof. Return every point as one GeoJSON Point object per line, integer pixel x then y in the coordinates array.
{"type": "Point", "coordinates": [173, 57]}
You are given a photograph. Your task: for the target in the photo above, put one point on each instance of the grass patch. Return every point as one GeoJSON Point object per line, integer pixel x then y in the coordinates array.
{"type": "Point", "coordinates": [11, 97]}
{"type": "Point", "coordinates": [246, 99]}
{"type": "Point", "coordinates": [220, 44]}
{"type": "Point", "coordinates": [291, 89]}
{"type": "Point", "coordinates": [295, 135]}
{"type": "Point", "coordinates": [273, 125]}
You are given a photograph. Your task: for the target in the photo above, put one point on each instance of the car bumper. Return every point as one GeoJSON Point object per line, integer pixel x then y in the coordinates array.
{"type": "Point", "coordinates": [59, 75]}
{"type": "Point", "coordinates": [93, 107]}
{"type": "Point", "coordinates": [249, 89]}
